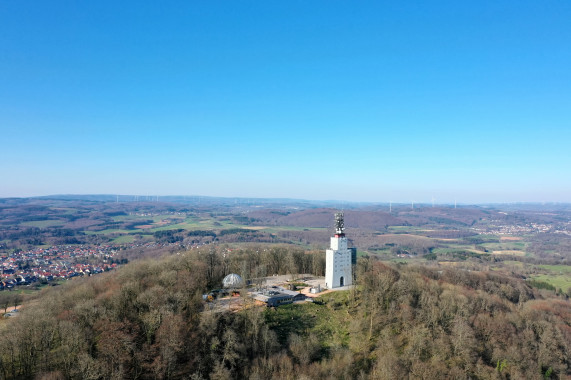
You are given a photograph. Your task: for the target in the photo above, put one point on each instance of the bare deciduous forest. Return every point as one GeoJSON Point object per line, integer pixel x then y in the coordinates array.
{"type": "Point", "coordinates": [147, 320]}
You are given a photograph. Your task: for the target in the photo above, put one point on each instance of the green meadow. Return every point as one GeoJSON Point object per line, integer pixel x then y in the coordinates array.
{"type": "Point", "coordinates": [43, 223]}
{"type": "Point", "coordinates": [562, 282]}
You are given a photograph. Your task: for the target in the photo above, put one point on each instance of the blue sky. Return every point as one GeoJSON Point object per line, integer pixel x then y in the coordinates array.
{"type": "Point", "coordinates": [363, 101]}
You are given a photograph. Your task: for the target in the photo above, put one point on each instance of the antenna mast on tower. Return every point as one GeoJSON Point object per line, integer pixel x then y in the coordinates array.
{"type": "Point", "coordinates": [339, 225]}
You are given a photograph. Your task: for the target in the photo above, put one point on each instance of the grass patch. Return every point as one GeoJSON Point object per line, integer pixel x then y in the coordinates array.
{"type": "Point", "coordinates": [513, 263]}
{"type": "Point", "coordinates": [328, 318]}
{"type": "Point", "coordinates": [400, 229]}
{"type": "Point", "coordinates": [124, 239]}
{"type": "Point", "coordinates": [559, 276]}
{"type": "Point", "coordinates": [505, 246]}
{"type": "Point", "coordinates": [400, 261]}
{"type": "Point", "coordinates": [109, 231]}
{"type": "Point", "coordinates": [509, 252]}
{"type": "Point", "coordinates": [483, 237]}
{"type": "Point", "coordinates": [34, 288]}
{"type": "Point", "coordinates": [562, 282]}
{"type": "Point", "coordinates": [557, 269]}
{"type": "Point", "coordinates": [43, 223]}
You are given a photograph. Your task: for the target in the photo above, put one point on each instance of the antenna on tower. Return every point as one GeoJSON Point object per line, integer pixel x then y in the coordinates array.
{"type": "Point", "coordinates": [339, 225]}
{"type": "Point", "coordinates": [117, 200]}
{"type": "Point", "coordinates": [390, 206]}
{"type": "Point", "coordinates": [412, 205]}
{"type": "Point", "coordinates": [433, 201]}
{"type": "Point", "coordinates": [454, 202]}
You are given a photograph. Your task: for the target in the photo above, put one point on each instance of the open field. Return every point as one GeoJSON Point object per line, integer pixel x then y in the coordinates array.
{"type": "Point", "coordinates": [509, 252]}
{"type": "Point", "coordinates": [515, 264]}
{"type": "Point", "coordinates": [558, 276]}
{"type": "Point", "coordinates": [124, 239]}
{"type": "Point", "coordinates": [505, 246]}
{"type": "Point", "coordinates": [557, 269]}
{"type": "Point", "coordinates": [401, 229]}
{"type": "Point", "coordinates": [562, 282]}
{"type": "Point", "coordinates": [109, 231]}
{"type": "Point", "coordinates": [448, 263]}
{"type": "Point", "coordinates": [193, 224]}
{"type": "Point", "coordinates": [43, 223]}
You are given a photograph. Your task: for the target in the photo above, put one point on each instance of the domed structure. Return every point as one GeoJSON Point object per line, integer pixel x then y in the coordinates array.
{"type": "Point", "coordinates": [233, 281]}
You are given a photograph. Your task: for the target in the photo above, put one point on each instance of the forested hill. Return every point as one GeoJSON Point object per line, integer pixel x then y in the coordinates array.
{"type": "Point", "coordinates": [147, 321]}
{"type": "Point", "coordinates": [377, 218]}
{"type": "Point", "coordinates": [321, 217]}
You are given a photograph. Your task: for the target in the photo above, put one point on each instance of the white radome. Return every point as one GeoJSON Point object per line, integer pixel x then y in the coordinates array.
{"type": "Point", "coordinates": [233, 281]}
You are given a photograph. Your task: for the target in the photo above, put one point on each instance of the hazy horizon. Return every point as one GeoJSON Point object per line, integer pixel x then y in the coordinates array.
{"type": "Point", "coordinates": [374, 102]}
{"type": "Point", "coordinates": [339, 203]}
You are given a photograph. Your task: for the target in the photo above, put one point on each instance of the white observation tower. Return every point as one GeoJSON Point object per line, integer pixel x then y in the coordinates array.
{"type": "Point", "coordinates": [338, 259]}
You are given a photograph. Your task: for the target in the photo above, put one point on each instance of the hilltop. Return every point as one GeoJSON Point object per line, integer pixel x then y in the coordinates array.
{"type": "Point", "coordinates": [147, 320]}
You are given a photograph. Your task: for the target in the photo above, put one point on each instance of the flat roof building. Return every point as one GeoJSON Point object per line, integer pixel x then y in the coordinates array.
{"type": "Point", "coordinates": [276, 296]}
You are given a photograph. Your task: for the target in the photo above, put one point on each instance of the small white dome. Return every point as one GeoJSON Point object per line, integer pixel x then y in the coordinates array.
{"type": "Point", "coordinates": [233, 281]}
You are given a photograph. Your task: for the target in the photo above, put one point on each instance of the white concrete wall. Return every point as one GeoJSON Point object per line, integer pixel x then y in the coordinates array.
{"type": "Point", "coordinates": [338, 243]}
{"type": "Point", "coordinates": [329, 265]}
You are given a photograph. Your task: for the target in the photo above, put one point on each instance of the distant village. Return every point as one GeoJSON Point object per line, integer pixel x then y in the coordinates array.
{"type": "Point", "coordinates": [64, 262]}
{"type": "Point", "coordinates": [54, 263]}
{"type": "Point", "coordinates": [513, 229]}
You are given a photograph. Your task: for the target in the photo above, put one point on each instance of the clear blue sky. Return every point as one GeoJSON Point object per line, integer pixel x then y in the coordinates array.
{"type": "Point", "coordinates": [365, 101]}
